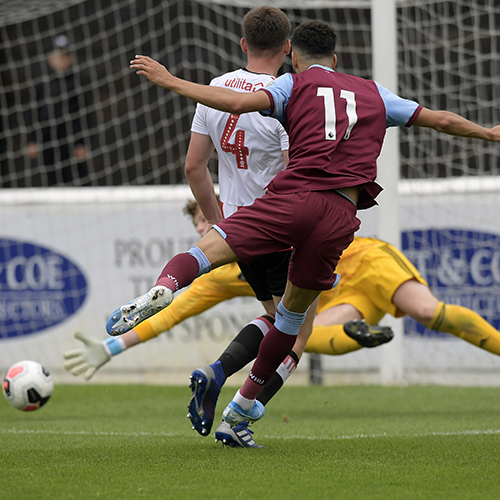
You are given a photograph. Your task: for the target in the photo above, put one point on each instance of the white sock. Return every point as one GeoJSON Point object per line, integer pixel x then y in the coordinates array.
{"type": "Point", "coordinates": [245, 403]}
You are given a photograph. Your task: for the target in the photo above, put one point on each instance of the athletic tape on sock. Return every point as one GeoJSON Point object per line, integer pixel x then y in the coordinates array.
{"type": "Point", "coordinates": [263, 323]}
{"type": "Point", "coordinates": [203, 262]}
{"type": "Point", "coordinates": [288, 322]}
{"type": "Point", "coordinates": [288, 366]}
{"type": "Point", "coordinates": [244, 402]}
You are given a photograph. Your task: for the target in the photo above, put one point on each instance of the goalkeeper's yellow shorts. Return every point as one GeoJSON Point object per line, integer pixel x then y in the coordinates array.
{"type": "Point", "coordinates": [370, 290]}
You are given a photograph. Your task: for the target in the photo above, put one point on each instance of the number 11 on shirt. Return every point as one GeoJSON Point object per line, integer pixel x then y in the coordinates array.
{"type": "Point", "coordinates": [331, 114]}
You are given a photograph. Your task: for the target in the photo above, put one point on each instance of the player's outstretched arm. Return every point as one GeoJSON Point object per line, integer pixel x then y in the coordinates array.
{"type": "Point", "coordinates": [88, 359]}
{"type": "Point", "coordinates": [453, 124]}
{"type": "Point", "coordinates": [214, 97]}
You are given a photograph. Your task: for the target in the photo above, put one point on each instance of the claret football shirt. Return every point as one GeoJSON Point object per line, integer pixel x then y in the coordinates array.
{"type": "Point", "coordinates": [336, 125]}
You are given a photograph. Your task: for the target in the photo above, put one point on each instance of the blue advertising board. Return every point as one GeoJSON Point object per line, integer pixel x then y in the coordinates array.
{"type": "Point", "coordinates": [462, 267]}
{"type": "Point", "coordinates": [39, 288]}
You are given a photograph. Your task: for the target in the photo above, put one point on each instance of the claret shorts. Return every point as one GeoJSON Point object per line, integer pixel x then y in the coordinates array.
{"type": "Point", "coordinates": [318, 225]}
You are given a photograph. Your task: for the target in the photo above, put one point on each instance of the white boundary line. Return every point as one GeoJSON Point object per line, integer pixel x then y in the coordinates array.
{"type": "Point", "coordinates": [310, 438]}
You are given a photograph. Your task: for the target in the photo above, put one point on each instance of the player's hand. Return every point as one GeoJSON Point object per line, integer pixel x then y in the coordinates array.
{"type": "Point", "coordinates": [496, 133]}
{"type": "Point", "coordinates": [152, 70]}
{"type": "Point", "coordinates": [88, 359]}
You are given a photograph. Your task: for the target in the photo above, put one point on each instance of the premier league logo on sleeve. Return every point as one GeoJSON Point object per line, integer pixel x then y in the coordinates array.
{"type": "Point", "coordinates": [462, 267]}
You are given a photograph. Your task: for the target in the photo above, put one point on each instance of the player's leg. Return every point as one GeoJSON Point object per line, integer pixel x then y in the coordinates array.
{"type": "Point", "coordinates": [417, 300]}
{"type": "Point", "coordinates": [289, 364]}
{"type": "Point", "coordinates": [341, 329]}
{"type": "Point", "coordinates": [207, 381]}
{"type": "Point", "coordinates": [210, 252]}
{"type": "Point", "coordinates": [240, 434]}
{"type": "Point", "coordinates": [273, 350]}
{"type": "Point", "coordinates": [267, 277]}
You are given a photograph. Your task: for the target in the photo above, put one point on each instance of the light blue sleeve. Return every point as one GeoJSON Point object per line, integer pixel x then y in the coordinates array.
{"type": "Point", "coordinates": [398, 111]}
{"type": "Point", "coordinates": [281, 90]}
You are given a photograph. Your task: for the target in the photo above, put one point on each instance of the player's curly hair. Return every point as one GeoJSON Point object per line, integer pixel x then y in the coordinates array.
{"type": "Point", "coordinates": [314, 38]}
{"type": "Point", "coordinates": [266, 28]}
{"type": "Point", "coordinates": [191, 207]}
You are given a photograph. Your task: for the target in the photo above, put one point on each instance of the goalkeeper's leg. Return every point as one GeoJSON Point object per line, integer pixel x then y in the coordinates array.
{"type": "Point", "coordinates": [417, 300]}
{"type": "Point", "coordinates": [467, 325]}
{"type": "Point", "coordinates": [351, 336]}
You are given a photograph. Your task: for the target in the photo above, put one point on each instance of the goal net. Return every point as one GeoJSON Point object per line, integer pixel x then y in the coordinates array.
{"type": "Point", "coordinates": [99, 127]}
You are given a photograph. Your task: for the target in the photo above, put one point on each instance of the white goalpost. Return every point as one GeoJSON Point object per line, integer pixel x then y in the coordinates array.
{"type": "Point", "coordinates": [66, 255]}
{"type": "Point", "coordinates": [384, 50]}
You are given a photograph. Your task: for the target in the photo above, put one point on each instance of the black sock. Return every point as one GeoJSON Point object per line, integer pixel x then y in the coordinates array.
{"type": "Point", "coordinates": [278, 379]}
{"type": "Point", "coordinates": [245, 346]}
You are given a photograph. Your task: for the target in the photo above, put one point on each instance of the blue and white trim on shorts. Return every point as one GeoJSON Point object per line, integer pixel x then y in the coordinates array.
{"type": "Point", "coordinates": [337, 279]}
{"type": "Point", "coordinates": [220, 231]}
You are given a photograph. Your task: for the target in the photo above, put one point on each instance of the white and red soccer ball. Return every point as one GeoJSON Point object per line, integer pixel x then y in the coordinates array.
{"type": "Point", "coordinates": [27, 385]}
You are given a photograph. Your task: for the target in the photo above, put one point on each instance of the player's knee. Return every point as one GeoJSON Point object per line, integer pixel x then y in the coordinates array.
{"type": "Point", "coordinates": [423, 313]}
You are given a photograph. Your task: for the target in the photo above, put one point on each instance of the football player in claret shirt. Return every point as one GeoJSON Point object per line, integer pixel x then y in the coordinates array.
{"type": "Point", "coordinates": [251, 150]}
{"type": "Point", "coordinates": [336, 125]}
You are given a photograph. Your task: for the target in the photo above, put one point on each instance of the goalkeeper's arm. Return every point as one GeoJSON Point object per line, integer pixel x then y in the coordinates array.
{"type": "Point", "coordinates": [96, 353]}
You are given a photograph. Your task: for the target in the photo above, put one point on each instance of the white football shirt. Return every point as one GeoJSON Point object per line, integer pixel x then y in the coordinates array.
{"type": "Point", "coordinates": [249, 146]}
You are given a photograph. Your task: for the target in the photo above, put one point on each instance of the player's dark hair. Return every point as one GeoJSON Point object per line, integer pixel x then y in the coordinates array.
{"type": "Point", "coordinates": [314, 38]}
{"type": "Point", "coordinates": [266, 28]}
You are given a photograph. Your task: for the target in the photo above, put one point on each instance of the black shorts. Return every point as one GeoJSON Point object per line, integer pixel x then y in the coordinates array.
{"type": "Point", "coordinates": [267, 274]}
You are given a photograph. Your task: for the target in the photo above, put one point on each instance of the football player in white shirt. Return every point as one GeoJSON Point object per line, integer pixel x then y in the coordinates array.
{"type": "Point", "coordinates": [251, 149]}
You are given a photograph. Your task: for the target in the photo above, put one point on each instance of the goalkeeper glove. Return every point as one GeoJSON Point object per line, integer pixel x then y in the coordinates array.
{"type": "Point", "coordinates": [95, 354]}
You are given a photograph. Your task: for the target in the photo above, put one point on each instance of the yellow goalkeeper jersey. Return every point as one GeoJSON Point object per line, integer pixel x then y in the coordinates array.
{"type": "Point", "coordinates": [371, 271]}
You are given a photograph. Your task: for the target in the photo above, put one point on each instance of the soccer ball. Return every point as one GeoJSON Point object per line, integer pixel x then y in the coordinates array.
{"type": "Point", "coordinates": [27, 385]}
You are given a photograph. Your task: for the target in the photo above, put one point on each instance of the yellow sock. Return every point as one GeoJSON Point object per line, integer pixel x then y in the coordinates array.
{"type": "Point", "coordinates": [467, 325]}
{"type": "Point", "coordinates": [331, 340]}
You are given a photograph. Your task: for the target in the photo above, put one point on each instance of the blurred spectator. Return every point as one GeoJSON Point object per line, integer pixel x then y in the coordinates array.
{"type": "Point", "coordinates": [55, 128]}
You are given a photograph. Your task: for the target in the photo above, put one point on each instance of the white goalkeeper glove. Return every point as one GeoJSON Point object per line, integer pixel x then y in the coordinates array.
{"type": "Point", "coordinates": [95, 354]}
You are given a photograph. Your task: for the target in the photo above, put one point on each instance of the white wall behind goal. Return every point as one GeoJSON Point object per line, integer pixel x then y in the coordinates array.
{"type": "Point", "coordinates": [68, 258]}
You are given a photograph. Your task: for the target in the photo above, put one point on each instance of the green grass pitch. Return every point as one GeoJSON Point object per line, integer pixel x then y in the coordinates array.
{"type": "Point", "coordinates": [123, 442]}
